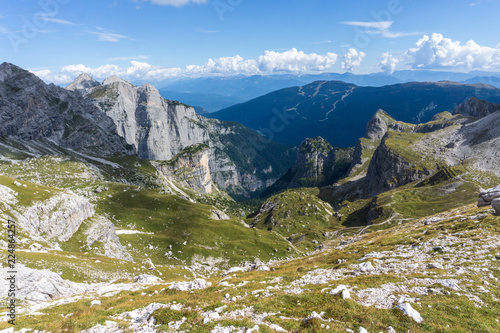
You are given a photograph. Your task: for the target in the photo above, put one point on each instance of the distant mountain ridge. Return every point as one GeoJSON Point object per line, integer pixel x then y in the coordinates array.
{"type": "Point", "coordinates": [338, 111]}
{"type": "Point", "coordinates": [217, 93]}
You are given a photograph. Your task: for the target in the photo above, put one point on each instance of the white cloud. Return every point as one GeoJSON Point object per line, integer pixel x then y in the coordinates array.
{"type": "Point", "coordinates": [56, 78]}
{"type": "Point", "coordinates": [291, 61]}
{"type": "Point", "coordinates": [352, 59]}
{"type": "Point", "coordinates": [107, 36]}
{"type": "Point", "coordinates": [379, 25]}
{"type": "Point", "coordinates": [177, 3]}
{"type": "Point", "coordinates": [56, 20]}
{"type": "Point", "coordinates": [139, 57]}
{"type": "Point", "coordinates": [379, 28]}
{"type": "Point", "coordinates": [437, 51]}
{"type": "Point", "coordinates": [388, 63]}
{"type": "Point", "coordinates": [295, 61]}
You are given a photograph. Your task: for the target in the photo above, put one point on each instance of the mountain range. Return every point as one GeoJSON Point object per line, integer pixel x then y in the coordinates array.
{"type": "Point", "coordinates": [339, 111]}
{"type": "Point", "coordinates": [126, 218]}
{"type": "Point", "coordinates": [217, 93]}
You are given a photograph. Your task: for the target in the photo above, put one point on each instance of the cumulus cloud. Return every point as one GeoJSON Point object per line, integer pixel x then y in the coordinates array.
{"type": "Point", "coordinates": [291, 61]}
{"type": "Point", "coordinates": [388, 62]}
{"type": "Point", "coordinates": [352, 59]}
{"type": "Point", "coordinates": [295, 61]}
{"type": "Point", "coordinates": [177, 3]}
{"type": "Point", "coordinates": [437, 51]}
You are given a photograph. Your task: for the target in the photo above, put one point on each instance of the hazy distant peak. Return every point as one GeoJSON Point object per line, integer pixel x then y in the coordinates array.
{"type": "Point", "coordinates": [113, 79]}
{"type": "Point", "coordinates": [83, 81]}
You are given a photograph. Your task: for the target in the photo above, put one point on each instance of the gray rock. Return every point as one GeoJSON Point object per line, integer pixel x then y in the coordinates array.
{"type": "Point", "coordinates": [475, 107]}
{"type": "Point", "coordinates": [40, 285]}
{"type": "Point", "coordinates": [144, 278]}
{"type": "Point", "coordinates": [366, 267]}
{"type": "Point", "coordinates": [103, 231]}
{"type": "Point", "coordinates": [58, 217]}
{"type": "Point", "coordinates": [218, 215]}
{"type": "Point", "coordinates": [410, 312]}
{"type": "Point", "coordinates": [495, 204]}
{"type": "Point", "coordinates": [435, 265]}
{"type": "Point", "coordinates": [191, 285]}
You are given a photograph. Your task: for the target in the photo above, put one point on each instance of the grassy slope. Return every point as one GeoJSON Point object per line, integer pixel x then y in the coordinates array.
{"type": "Point", "coordinates": [450, 313]}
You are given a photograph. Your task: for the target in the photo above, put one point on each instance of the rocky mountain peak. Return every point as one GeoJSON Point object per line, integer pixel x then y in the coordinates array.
{"type": "Point", "coordinates": [316, 145]}
{"type": "Point", "coordinates": [377, 126]}
{"type": "Point", "coordinates": [17, 77]}
{"type": "Point", "coordinates": [113, 79]}
{"type": "Point", "coordinates": [475, 107]}
{"type": "Point", "coordinates": [83, 81]}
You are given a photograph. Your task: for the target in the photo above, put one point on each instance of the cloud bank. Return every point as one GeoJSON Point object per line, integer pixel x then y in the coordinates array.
{"type": "Point", "coordinates": [271, 62]}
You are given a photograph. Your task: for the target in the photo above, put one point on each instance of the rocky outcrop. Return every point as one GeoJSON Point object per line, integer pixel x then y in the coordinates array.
{"type": "Point", "coordinates": [314, 163]}
{"type": "Point", "coordinates": [192, 168]}
{"type": "Point", "coordinates": [491, 197]}
{"type": "Point", "coordinates": [317, 164]}
{"type": "Point", "coordinates": [378, 125]}
{"type": "Point", "coordinates": [32, 110]}
{"type": "Point", "coordinates": [103, 231]}
{"type": "Point", "coordinates": [56, 218]}
{"type": "Point", "coordinates": [475, 107]}
{"type": "Point", "coordinates": [40, 285]}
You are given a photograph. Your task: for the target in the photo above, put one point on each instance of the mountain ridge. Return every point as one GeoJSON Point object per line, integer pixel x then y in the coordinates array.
{"type": "Point", "coordinates": [325, 107]}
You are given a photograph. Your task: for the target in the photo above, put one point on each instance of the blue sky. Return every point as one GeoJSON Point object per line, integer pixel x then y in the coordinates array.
{"type": "Point", "coordinates": [151, 40]}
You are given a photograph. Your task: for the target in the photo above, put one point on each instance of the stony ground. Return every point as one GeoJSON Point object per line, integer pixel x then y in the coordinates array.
{"type": "Point", "coordinates": [418, 276]}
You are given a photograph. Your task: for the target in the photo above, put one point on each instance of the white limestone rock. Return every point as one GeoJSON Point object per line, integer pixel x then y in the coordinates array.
{"type": "Point", "coordinates": [409, 311]}
{"type": "Point", "coordinates": [190, 285]}
{"type": "Point", "coordinates": [366, 267]}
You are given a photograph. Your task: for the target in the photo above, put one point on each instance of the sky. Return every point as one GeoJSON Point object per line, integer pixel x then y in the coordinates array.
{"type": "Point", "coordinates": [154, 40]}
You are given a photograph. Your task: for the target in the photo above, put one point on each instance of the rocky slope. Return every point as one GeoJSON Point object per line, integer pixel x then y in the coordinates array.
{"type": "Point", "coordinates": [32, 110]}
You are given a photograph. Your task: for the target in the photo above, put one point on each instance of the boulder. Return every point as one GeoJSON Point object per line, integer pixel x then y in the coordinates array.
{"type": "Point", "coordinates": [495, 203]}
{"type": "Point", "coordinates": [144, 278]}
{"type": "Point", "coordinates": [410, 312]}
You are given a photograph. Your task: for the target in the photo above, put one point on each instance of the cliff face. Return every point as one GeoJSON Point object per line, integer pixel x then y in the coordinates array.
{"type": "Point", "coordinates": [32, 110]}
{"type": "Point", "coordinates": [389, 169]}
{"type": "Point", "coordinates": [158, 129]}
